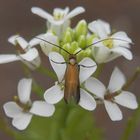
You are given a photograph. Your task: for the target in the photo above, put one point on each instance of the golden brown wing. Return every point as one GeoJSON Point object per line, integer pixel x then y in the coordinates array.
{"type": "Point", "coordinates": [72, 89]}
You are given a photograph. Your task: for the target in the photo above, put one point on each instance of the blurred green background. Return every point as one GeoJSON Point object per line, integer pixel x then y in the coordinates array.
{"type": "Point", "coordinates": [16, 17]}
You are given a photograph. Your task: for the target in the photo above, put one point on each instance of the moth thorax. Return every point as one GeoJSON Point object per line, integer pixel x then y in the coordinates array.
{"type": "Point", "coordinates": [72, 59]}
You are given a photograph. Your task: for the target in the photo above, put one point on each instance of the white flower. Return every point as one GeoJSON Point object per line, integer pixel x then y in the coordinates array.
{"type": "Point", "coordinates": [60, 20]}
{"type": "Point", "coordinates": [22, 110]}
{"type": "Point", "coordinates": [56, 92]}
{"type": "Point", "coordinates": [46, 47]}
{"type": "Point", "coordinates": [25, 53]}
{"type": "Point", "coordinates": [108, 50]}
{"type": "Point", "coordinates": [113, 95]}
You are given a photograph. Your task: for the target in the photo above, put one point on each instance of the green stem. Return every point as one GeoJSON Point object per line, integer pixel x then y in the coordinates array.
{"type": "Point", "coordinates": [99, 70]}
{"type": "Point", "coordinates": [35, 86]}
{"type": "Point", "coordinates": [5, 128]}
{"type": "Point", "coordinates": [131, 79]}
{"type": "Point", "coordinates": [37, 89]}
{"type": "Point", "coordinates": [47, 72]}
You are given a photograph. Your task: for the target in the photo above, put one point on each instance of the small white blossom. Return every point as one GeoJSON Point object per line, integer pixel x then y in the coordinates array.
{"type": "Point", "coordinates": [22, 109]}
{"type": "Point", "coordinates": [113, 95]}
{"type": "Point", "coordinates": [54, 94]}
{"type": "Point", "coordinates": [108, 50]}
{"type": "Point", "coordinates": [46, 47]}
{"type": "Point", "coordinates": [25, 52]}
{"type": "Point", "coordinates": [60, 20]}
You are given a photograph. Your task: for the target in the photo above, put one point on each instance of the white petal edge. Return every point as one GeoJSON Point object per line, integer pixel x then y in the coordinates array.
{"type": "Point", "coordinates": [42, 13]}
{"type": "Point", "coordinates": [75, 12]}
{"type": "Point", "coordinates": [113, 111]}
{"type": "Point", "coordinates": [7, 58]}
{"type": "Point", "coordinates": [24, 90]}
{"type": "Point", "coordinates": [87, 68]}
{"type": "Point", "coordinates": [127, 99]}
{"type": "Point", "coordinates": [11, 109]}
{"type": "Point", "coordinates": [58, 68]}
{"type": "Point", "coordinates": [100, 28]}
{"type": "Point", "coordinates": [22, 42]}
{"type": "Point", "coordinates": [87, 101]}
{"type": "Point", "coordinates": [22, 121]}
{"type": "Point", "coordinates": [42, 108]}
{"type": "Point", "coordinates": [30, 55]}
{"type": "Point", "coordinates": [126, 53]}
{"type": "Point", "coordinates": [46, 47]}
{"type": "Point", "coordinates": [54, 94]}
{"type": "Point", "coordinates": [12, 39]}
{"type": "Point", "coordinates": [35, 41]}
{"type": "Point", "coordinates": [100, 53]}
{"type": "Point", "coordinates": [117, 80]}
{"type": "Point", "coordinates": [96, 87]}
{"type": "Point", "coordinates": [121, 35]}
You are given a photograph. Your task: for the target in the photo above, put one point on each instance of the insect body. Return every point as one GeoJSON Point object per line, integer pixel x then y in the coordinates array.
{"type": "Point", "coordinates": [72, 85]}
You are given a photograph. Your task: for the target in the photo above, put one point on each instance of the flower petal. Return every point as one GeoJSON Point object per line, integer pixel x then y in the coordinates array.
{"type": "Point", "coordinates": [22, 42]}
{"type": "Point", "coordinates": [117, 80]}
{"type": "Point", "coordinates": [47, 47]}
{"type": "Point", "coordinates": [75, 12]}
{"type": "Point", "coordinates": [111, 57]}
{"type": "Point", "coordinates": [87, 68]}
{"type": "Point", "coordinates": [6, 58]}
{"type": "Point", "coordinates": [36, 40]}
{"type": "Point", "coordinates": [60, 11]}
{"type": "Point", "coordinates": [33, 64]}
{"type": "Point", "coordinates": [22, 121]}
{"type": "Point", "coordinates": [30, 55]}
{"type": "Point", "coordinates": [100, 52]}
{"type": "Point", "coordinates": [42, 13]}
{"type": "Point", "coordinates": [56, 59]}
{"type": "Point", "coordinates": [100, 28]}
{"type": "Point", "coordinates": [123, 36]}
{"type": "Point", "coordinates": [42, 108]}
{"type": "Point", "coordinates": [11, 109]}
{"type": "Point", "coordinates": [127, 99]}
{"type": "Point", "coordinates": [113, 111]}
{"type": "Point", "coordinates": [24, 90]}
{"type": "Point", "coordinates": [124, 52]}
{"type": "Point", "coordinates": [12, 39]}
{"type": "Point", "coordinates": [54, 94]}
{"type": "Point", "coordinates": [87, 101]}
{"type": "Point", "coordinates": [95, 87]}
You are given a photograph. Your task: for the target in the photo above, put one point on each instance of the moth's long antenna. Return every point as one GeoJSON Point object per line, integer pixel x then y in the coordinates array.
{"type": "Point", "coordinates": [53, 44]}
{"type": "Point", "coordinates": [101, 41]}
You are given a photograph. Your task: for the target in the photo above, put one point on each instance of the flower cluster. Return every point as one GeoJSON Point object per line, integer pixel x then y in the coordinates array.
{"type": "Point", "coordinates": [75, 55]}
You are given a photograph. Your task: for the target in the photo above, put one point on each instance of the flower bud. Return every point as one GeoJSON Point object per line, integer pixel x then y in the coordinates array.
{"type": "Point", "coordinates": [67, 48]}
{"type": "Point", "coordinates": [89, 40]}
{"type": "Point", "coordinates": [81, 28]}
{"type": "Point", "coordinates": [67, 37]}
{"type": "Point", "coordinates": [74, 46]}
{"type": "Point", "coordinates": [82, 41]}
{"type": "Point", "coordinates": [84, 53]}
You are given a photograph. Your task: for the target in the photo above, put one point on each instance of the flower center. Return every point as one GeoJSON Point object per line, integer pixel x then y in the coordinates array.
{"type": "Point", "coordinates": [26, 107]}
{"type": "Point", "coordinates": [20, 49]}
{"type": "Point", "coordinates": [108, 43]}
{"type": "Point", "coordinates": [58, 16]}
{"type": "Point", "coordinates": [110, 96]}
